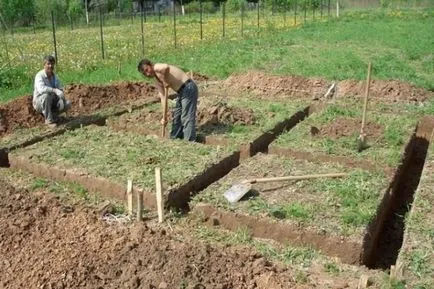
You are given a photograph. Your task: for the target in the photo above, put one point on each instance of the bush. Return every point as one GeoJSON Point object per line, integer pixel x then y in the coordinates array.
{"type": "Point", "coordinates": [194, 7]}
{"type": "Point", "coordinates": [12, 78]}
{"type": "Point", "coordinates": [235, 5]}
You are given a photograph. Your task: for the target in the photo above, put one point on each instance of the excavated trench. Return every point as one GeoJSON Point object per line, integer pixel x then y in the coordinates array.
{"type": "Point", "coordinates": [388, 236]}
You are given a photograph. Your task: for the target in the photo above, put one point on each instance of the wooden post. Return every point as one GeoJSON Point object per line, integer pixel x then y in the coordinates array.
{"type": "Point", "coordinates": [158, 186]}
{"type": "Point", "coordinates": [130, 197]}
{"type": "Point", "coordinates": [139, 205]}
{"type": "Point", "coordinates": [337, 9]}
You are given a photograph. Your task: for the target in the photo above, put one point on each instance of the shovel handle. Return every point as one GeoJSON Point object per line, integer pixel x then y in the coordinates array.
{"type": "Point", "coordinates": [165, 104]}
{"type": "Point", "coordinates": [293, 178]}
{"type": "Point", "coordinates": [365, 104]}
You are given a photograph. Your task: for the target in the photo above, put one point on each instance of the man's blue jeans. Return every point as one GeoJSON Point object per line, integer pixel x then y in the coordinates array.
{"type": "Point", "coordinates": [184, 114]}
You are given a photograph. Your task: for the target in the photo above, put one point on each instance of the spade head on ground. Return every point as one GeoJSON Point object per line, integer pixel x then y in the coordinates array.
{"type": "Point", "coordinates": [361, 143]}
{"type": "Point", "coordinates": [237, 191]}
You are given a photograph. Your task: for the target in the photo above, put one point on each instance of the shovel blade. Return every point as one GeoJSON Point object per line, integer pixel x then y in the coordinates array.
{"type": "Point", "coordinates": [237, 191]}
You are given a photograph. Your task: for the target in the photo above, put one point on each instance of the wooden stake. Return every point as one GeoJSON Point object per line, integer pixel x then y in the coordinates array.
{"type": "Point", "coordinates": [139, 205]}
{"type": "Point", "coordinates": [130, 196]}
{"type": "Point", "coordinates": [191, 75]}
{"type": "Point", "coordinates": [158, 186]}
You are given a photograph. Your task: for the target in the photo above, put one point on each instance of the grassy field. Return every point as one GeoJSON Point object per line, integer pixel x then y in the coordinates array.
{"type": "Point", "coordinates": [342, 206]}
{"type": "Point", "coordinates": [338, 49]}
{"type": "Point", "coordinates": [119, 156]}
{"type": "Point", "coordinates": [386, 146]}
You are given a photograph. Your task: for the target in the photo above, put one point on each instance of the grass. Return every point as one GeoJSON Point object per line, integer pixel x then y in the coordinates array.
{"type": "Point", "coordinates": [385, 148]}
{"type": "Point", "coordinates": [68, 191]}
{"type": "Point", "coordinates": [341, 206]}
{"type": "Point", "coordinates": [122, 156]}
{"type": "Point", "coordinates": [334, 50]}
{"type": "Point", "coordinates": [242, 236]}
{"type": "Point", "coordinates": [417, 249]}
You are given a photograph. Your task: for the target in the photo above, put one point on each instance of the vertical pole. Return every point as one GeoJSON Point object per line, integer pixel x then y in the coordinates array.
{"type": "Point", "coordinates": [328, 9]}
{"type": "Point", "coordinates": [224, 16]}
{"type": "Point", "coordinates": [174, 23]}
{"type": "Point", "coordinates": [322, 8]}
{"type": "Point", "coordinates": [54, 37]}
{"type": "Point", "coordinates": [285, 9]}
{"type": "Point", "coordinates": [337, 8]}
{"type": "Point", "coordinates": [144, 10]}
{"type": "Point", "coordinates": [201, 18]}
{"type": "Point", "coordinates": [143, 33]}
{"type": "Point", "coordinates": [130, 197]}
{"type": "Point", "coordinates": [87, 11]}
{"type": "Point", "coordinates": [259, 3]}
{"type": "Point", "coordinates": [242, 20]}
{"type": "Point", "coordinates": [139, 205]}
{"type": "Point", "coordinates": [313, 9]}
{"type": "Point", "coordinates": [102, 35]}
{"type": "Point", "coordinates": [295, 13]}
{"type": "Point", "coordinates": [158, 186]}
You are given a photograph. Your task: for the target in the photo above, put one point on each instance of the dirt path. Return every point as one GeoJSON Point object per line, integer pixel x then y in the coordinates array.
{"type": "Point", "coordinates": [46, 244]}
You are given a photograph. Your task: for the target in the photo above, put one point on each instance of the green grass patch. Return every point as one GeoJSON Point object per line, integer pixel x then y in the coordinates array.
{"type": "Point", "coordinates": [386, 145]}
{"type": "Point", "coordinates": [122, 156]}
{"type": "Point", "coordinates": [334, 50]}
{"type": "Point", "coordinates": [343, 206]}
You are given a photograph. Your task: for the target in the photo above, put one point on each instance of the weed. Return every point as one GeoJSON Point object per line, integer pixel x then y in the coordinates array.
{"type": "Point", "coordinates": [332, 268]}
{"type": "Point", "coordinates": [39, 183]}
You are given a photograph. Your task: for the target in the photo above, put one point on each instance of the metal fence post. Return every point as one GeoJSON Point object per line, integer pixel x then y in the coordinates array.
{"type": "Point", "coordinates": [54, 37]}
{"type": "Point", "coordinates": [102, 36]}
{"type": "Point", "coordinates": [143, 34]}
{"type": "Point", "coordinates": [201, 19]}
{"type": "Point", "coordinates": [224, 16]}
{"type": "Point", "coordinates": [174, 22]}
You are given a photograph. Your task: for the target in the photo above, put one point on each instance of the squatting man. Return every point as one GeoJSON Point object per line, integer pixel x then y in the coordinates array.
{"type": "Point", "coordinates": [48, 97]}
{"type": "Point", "coordinates": [184, 113]}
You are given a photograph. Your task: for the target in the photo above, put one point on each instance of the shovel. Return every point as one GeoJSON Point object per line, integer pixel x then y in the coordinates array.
{"type": "Point", "coordinates": [238, 190]}
{"type": "Point", "coordinates": [361, 141]}
{"type": "Point", "coordinates": [165, 104]}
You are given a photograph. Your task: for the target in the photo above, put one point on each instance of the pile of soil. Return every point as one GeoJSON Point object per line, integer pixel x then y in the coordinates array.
{"type": "Point", "coordinates": [343, 126]}
{"type": "Point", "coordinates": [19, 113]}
{"type": "Point", "coordinates": [269, 86]}
{"type": "Point", "coordinates": [222, 113]}
{"type": "Point", "coordinates": [384, 90]}
{"type": "Point", "coordinates": [52, 245]}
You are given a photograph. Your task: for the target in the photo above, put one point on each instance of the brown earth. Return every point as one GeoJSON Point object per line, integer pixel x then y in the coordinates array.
{"type": "Point", "coordinates": [85, 99]}
{"type": "Point", "coordinates": [222, 113]}
{"type": "Point", "coordinates": [343, 126]}
{"type": "Point", "coordinates": [268, 86]}
{"type": "Point", "coordinates": [384, 90]}
{"type": "Point", "coordinates": [48, 244]}
{"type": "Point", "coordinates": [207, 116]}
{"type": "Point", "coordinates": [271, 86]}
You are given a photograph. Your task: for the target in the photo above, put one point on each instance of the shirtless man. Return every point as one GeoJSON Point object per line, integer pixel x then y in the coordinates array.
{"type": "Point", "coordinates": [184, 114]}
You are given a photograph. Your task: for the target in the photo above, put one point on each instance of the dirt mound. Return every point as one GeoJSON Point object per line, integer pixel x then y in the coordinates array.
{"type": "Point", "coordinates": [87, 98]}
{"type": "Point", "coordinates": [222, 113]}
{"type": "Point", "coordinates": [347, 127]}
{"type": "Point", "coordinates": [52, 245]}
{"type": "Point", "coordinates": [384, 90]}
{"type": "Point", "coordinates": [19, 113]}
{"type": "Point", "coordinates": [200, 77]}
{"type": "Point", "coordinates": [273, 86]}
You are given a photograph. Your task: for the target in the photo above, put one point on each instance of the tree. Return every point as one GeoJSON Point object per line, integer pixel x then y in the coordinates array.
{"type": "Point", "coordinates": [18, 11]}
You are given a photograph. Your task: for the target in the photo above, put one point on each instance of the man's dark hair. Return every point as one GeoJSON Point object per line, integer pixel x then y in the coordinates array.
{"type": "Point", "coordinates": [142, 62]}
{"type": "Point", "coordinates": [49, 59]}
